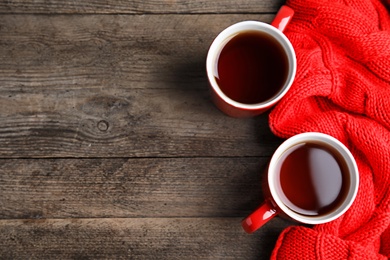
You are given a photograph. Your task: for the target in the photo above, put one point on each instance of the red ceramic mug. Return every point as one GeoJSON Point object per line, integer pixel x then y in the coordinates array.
{"type": "Point", "coordinates": [251, 65]}
{"type": "Point", "coordinates": [312, 178]}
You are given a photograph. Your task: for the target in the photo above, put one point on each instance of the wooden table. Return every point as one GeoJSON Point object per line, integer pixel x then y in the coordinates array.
{"type": "Point", "coordinates": [110, 145]}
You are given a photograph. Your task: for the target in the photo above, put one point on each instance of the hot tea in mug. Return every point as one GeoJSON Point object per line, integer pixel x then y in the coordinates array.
{"type": "Point", "coordinates": [251, 65]}
{"type": "Point", "coordinates": [312, 178]}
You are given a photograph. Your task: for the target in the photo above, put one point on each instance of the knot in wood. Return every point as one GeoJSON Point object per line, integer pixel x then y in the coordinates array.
{"type": "Point", "coordinates": [103, 125]}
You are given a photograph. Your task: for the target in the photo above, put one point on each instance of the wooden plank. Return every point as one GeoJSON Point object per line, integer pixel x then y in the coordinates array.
{"type": "Point", "coordinates": [129, 123]}
{"type": "Point", "coordinates": [138, 7]}
{"type": "Point", "coordinates": [173, 187]}
{"type": "Point", "coordinates": [145, 238]}
{"type": "Point", "coordinates": [66, 52]}
{"type": "Point", "coordinates": [116, 86]}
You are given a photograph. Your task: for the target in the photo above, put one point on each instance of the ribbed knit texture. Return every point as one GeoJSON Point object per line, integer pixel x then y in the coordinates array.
{"type": "Point", "coordinates": [342, 88]}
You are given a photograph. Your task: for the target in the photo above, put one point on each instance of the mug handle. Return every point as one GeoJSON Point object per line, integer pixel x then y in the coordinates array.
{"type": "Point", "coordinates": [283, 17]}
{"type": "Point", "coordinates": [259, 217]}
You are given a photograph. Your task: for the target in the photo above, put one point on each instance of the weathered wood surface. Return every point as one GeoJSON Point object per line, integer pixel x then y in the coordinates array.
{"type": "Point", "coordinates": [135, 238]}
{"type": "Point", "coordinates": [110, 146]}
{"type": "Point", "coordinates": [59, 52]}
{"type": "Point", "coordinates": [120, 187]}
{"type": "Point", "coordinates": [112, 86]}
{"type": "Point", "coordinates": [139, 6]}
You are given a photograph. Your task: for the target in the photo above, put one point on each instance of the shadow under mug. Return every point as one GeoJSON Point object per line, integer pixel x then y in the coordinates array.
{"type": "Point", "coordinates": [226, 103]}
{"type": "Point", "coordinates": [276, 201]}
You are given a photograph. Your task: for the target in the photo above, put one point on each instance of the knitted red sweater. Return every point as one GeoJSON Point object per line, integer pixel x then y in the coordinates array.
{"type": "Point", "coordinates": [342, 89]}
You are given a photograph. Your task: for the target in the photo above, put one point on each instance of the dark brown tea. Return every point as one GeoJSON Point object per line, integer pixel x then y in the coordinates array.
{"type": "Point", "coordinates": [314, 179]}
{"type": "Point", "coordinates": [252, 67]}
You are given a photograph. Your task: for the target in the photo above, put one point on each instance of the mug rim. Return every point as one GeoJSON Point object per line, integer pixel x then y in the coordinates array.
{"type": "Point", "coordinates": [352, 170]}
{"type": "Point", "coordinates": [224, 36]}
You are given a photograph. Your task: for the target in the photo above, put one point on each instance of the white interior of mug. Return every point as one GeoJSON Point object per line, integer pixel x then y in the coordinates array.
{"type": "Point", "coordinates": [328, 141]}
{"type": "Point", "coordinates": [227, 34]}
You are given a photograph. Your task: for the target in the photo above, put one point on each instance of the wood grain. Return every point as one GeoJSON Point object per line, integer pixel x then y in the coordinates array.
{"type": "Point", "coordinates": [110, 147]}
{"type": "Point", "coordinates": [98, 86]}
{"type": "Point", "coordinates": [102, 188]}
{"type": "Point", "coordinates": [66, 52]}
{"type": "Point", "coordinates": [140, 238]}
{"type": "Point", "coordinates": [136, 123]}
{"type": "Point", "coordinates": [138, 6]}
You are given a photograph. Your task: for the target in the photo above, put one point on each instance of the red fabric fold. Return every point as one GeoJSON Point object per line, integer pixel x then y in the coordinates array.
{"type": "Point", "coordinates": [342, 88]}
